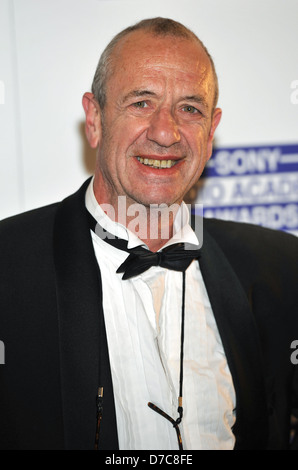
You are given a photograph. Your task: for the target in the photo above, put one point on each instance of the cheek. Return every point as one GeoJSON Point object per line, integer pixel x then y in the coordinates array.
{"type": "Point", "coordinates": [198, 155]}
{"type": "Point", "coordinates": [123, 136]}
{"type": "Point", "coordinates": [197, 144]}
{"type": "Point", "coordinates": [112, 147]}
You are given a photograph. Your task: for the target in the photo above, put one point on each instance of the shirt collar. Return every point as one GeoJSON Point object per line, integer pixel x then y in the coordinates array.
{"type": "Point", "coordinates": [183, 232]}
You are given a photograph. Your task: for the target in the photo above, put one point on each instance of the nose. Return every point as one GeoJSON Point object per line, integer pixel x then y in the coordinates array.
{"type": "Point", "coordinates": [163, 128]}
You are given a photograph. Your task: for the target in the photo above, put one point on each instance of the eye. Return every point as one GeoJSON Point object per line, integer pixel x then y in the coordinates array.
{"type": "Point", "coordinates": [190, 109]}
{"type": "Point", "coordinates": [140, 104]}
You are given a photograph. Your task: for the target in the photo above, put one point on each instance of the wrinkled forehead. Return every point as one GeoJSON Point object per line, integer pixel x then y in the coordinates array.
{"type": "Point", "coordinates": [156, 49]}
{"type": "Point", "coordinates": [142, 53]}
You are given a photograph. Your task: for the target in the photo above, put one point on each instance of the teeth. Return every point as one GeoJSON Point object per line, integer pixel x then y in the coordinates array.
{"type": "Point", "coordinates": [157, 163]}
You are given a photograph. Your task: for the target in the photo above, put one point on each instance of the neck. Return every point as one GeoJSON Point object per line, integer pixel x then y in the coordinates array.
{"type": "Point", "coordinates": [152, 223]}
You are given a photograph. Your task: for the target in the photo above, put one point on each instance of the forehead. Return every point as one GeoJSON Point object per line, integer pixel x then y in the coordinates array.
{"type": "Point", "coordinates": [142, 56]}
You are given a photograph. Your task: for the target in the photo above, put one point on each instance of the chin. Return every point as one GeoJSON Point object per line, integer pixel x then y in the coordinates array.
{"type": "Point", "coordinates": [158, 200]}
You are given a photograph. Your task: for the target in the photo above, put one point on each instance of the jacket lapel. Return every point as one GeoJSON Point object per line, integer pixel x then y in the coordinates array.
{"type": "Point", "coordinates": [84, 353]}
{"type": "Point", "coordinates": [241, 344]}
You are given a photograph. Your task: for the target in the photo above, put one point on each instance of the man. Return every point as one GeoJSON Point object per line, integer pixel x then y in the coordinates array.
{"type": "Point", "coordinates": [196, 347]}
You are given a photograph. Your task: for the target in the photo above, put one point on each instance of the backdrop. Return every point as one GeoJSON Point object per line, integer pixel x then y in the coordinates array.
{"type": "Point", "coordinates": [49, 52]}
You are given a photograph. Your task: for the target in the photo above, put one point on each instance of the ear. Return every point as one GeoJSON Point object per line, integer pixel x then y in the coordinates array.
{"type": "Point", "coordinates": [93, 119]}
{"type": "Point", "coordinates": [216, 117]}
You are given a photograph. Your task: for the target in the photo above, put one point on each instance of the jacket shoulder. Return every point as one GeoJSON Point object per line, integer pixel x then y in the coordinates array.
{"type": "Point", "coordinates": [237, 233]}
{"type": "Point", "coordinates": [254, 250]}
{"type": "Point", "coordinates": [28, 229]}
{"type": "Point", "coordinates": [28, 217]}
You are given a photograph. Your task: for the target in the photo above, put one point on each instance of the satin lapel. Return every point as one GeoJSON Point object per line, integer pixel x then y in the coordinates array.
{"type": "Point", "coordinates": [82, 341]}
{"type": "Point", "coordinates": [241, 344]}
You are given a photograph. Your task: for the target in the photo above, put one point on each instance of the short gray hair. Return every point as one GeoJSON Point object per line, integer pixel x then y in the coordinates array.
{"type": "Point", "coordinates": [156, 26]}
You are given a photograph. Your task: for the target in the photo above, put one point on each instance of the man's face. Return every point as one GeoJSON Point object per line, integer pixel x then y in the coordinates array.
{"type": "Point", "coordinates": [157, 126]}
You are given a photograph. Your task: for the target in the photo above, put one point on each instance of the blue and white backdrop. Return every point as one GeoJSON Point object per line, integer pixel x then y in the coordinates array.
{"type": "Point", "coordinates": [48, 53]}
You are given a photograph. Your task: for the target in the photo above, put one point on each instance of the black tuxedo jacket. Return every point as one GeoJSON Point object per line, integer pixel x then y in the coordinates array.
{"type": "Point", "coordinates": [51, 324]}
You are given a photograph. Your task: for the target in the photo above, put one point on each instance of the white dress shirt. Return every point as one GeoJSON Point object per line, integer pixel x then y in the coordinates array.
{"type": "Point", "coordinates": [143, 326]}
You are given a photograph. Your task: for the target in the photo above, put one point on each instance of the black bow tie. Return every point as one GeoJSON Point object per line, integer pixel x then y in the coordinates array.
{"type": "Point", "coordinates": [176, 257]}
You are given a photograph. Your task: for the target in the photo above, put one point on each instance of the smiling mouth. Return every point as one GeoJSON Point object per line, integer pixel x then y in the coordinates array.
{"type": "Point", "coordinates": [160, 164]}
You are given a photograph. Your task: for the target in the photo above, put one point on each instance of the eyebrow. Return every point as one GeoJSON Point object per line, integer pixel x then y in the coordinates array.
{"type": "Point", "coordinates": [137, 94]}
{"type": "Point", "coordinates": [196, 99]}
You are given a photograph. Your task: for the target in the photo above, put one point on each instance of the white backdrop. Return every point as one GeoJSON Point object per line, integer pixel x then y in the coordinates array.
{"type": "Point", "coordinates": [49, 52]}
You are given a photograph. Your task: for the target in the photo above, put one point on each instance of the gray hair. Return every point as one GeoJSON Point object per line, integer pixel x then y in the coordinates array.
{"type": "Point", "coordinates": [156, 26]}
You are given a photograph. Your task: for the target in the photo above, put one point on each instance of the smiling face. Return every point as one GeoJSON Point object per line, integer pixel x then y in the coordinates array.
{"type": "Point", "coordinates": [155, 133]}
